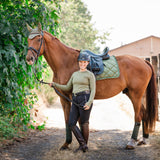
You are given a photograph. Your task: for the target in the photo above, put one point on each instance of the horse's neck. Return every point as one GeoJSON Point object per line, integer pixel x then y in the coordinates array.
{"type": "Point", "coordinates": [61, 59]}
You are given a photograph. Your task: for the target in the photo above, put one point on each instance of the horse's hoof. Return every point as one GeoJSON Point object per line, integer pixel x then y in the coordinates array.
{"type": "Point", "coordinates": [130, 147]}
{"type": "Point", "coordinates": [131, 144]}
{"type": "Point", "coordinates": [141, 143]}
{"type": "Point", "coordinates": [144, 141]}
{"type": "Point", "coordinates": [64, 148]}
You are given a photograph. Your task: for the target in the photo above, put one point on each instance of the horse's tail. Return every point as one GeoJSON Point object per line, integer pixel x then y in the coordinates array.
{"type": "Point", "coordinates": [151, 102]}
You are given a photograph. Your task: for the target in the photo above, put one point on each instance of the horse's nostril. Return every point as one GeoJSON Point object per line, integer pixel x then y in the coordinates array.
{"type": "Point", "coordinates": [31, 58]}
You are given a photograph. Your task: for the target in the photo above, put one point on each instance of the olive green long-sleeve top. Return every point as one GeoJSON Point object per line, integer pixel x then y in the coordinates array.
{"type": "Point", "coordinates": [79, 82]}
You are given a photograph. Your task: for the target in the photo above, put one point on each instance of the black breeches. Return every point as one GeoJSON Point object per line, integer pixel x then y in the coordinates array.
{"type": "Point", "coordinates": [78, 112]}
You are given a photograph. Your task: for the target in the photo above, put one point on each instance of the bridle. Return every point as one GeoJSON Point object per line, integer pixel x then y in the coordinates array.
{"type": "Point", "coordinates": [33, 50]}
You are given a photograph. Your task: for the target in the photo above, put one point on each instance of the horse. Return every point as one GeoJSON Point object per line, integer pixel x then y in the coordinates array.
{"type": "Point", "coordinates": [137, 80]}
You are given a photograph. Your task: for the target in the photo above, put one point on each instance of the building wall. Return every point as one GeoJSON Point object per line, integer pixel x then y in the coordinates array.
{"type": "Point", "coordinates": [143, 48]}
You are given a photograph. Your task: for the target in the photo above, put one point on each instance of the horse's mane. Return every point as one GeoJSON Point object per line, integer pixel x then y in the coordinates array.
{"type": "Point", "coordinates": [50, 35]}
{"type": "Point", "coordinates": [53, 37]}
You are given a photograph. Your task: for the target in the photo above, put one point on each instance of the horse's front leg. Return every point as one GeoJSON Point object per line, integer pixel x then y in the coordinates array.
{"type": "Point", "coordinates": [66, 109]}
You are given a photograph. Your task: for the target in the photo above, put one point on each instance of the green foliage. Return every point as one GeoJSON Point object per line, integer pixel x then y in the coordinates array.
{"type": "Point", "coordinates": [7, 129]}
{"type": "Point", "coordinates": [77, 30]}
{"type": "Point", "coordinates": [41, 127]}
{"type": "Point", "coordinates": [16, 77]}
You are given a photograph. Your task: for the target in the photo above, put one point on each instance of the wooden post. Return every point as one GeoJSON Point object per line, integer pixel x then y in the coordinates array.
{"type": "Point", "coordinates": [155, 66]}
{"type": "Point", "coordinates": [158, 76]}
{"type": "Point", "coordinates": [158, 72]}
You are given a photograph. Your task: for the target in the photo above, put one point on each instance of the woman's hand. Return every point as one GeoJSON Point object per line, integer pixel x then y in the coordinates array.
{"type": "Point", "coordinates": [51, 84]}
{"type": "Point", "coordinates": [86, 107]}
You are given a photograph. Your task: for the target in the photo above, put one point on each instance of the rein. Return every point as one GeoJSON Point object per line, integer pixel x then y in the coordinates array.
{"type": "Point", "coordinates": [59, 93]}
{"type": "Point", "coordinates": [33, 50]}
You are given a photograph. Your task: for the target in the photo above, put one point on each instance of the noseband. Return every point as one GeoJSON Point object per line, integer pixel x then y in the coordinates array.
{"type": "Point", "coordinates": [33, 50]}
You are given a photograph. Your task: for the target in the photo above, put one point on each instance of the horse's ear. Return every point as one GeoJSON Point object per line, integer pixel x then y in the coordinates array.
{"type": "Point", "coordinates": [39, 27]}
{"type": "Point", "coordinates": [29, 28]}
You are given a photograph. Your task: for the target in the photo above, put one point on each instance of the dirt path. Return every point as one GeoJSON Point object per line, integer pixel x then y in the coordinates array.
{"type": "Point", "coordinates": [111, 124]}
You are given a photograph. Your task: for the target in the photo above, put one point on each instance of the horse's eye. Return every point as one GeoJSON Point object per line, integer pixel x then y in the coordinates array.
{"type": "Point", "coordinates": [39, 40]}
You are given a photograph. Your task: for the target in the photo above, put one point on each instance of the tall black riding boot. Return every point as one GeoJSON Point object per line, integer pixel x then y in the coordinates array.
{"type": "Point", "coordinates": [85, 131]}
{"type": "Point", "coordinates": [80, 139]}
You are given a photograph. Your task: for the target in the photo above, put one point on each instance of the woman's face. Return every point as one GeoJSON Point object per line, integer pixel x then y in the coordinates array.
{"type": "Point", "coordinates": [83, 65]}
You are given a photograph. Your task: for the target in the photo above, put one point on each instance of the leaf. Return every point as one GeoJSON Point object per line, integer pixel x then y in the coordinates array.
{"type": "Point", "coordinates": [16, 57]}
{"type": "Point", "coordinates": [5, 70]}
{"type": "Point", "coordinates": [27, 2]}
{"type": "Point", "coordinates": [8, 81]}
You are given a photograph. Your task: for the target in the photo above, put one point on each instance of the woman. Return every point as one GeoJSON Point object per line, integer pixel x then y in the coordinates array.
{"type": "Point", "coordinates": [82, 84]}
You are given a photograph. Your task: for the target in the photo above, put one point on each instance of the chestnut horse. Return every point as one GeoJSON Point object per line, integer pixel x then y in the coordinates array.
{"type": "Point", "coordinates": [136, 80]}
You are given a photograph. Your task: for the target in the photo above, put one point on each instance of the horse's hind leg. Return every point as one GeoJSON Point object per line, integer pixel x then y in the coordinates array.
{"type": "Point", "coordinates": [144, 129]}
{"type": "Point", "coordinates": [136, 100]}
{"type": "Point", "coordinates": [143, 141]}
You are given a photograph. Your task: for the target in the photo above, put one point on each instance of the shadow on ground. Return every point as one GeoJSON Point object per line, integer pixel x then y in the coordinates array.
{"type": "Point", "coordinates": [103, 145]}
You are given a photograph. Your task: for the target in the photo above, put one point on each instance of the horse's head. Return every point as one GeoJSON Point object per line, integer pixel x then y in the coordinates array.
{"type": "Point", "coordinates": [35, 44]}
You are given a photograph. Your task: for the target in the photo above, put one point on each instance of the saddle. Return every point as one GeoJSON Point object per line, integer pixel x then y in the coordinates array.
{"type": "Point", "coordinates": [96, 61]}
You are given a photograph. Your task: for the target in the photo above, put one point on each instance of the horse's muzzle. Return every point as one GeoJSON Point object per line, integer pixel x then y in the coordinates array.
{"type": "Point", "coordinates": [30, 60]}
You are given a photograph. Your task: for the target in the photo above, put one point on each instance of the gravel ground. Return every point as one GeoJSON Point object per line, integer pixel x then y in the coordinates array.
{"type": "Point", "coordinates": [111, 126]}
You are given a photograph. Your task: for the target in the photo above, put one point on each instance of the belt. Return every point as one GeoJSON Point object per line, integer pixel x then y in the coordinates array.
{"type": "Point", "coordinates": [80, 93]}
